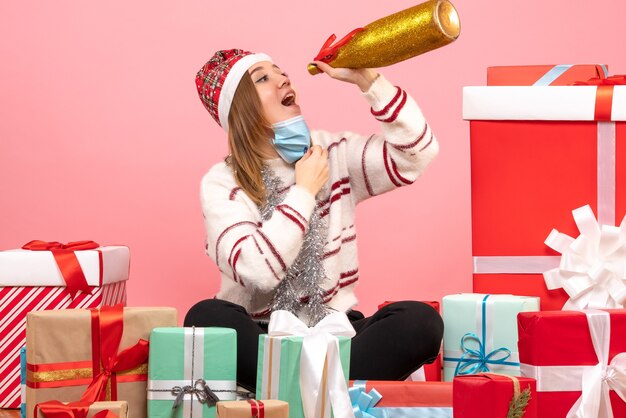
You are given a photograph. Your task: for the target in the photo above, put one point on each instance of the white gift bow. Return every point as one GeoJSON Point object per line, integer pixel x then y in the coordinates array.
{"type": "Point", "coordinates": [597, 381]}
{"type": "Point", "coordinates": [593, 266]}
{"type": "Point", "coordinates": [319, 345]}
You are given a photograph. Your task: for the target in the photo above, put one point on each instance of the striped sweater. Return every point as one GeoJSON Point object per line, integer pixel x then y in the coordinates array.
{"type": "Point", "coordinates": [253, 255]}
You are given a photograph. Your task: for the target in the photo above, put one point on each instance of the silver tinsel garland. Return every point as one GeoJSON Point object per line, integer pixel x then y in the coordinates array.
{"type": "Point", "coordinates": [305, 275]}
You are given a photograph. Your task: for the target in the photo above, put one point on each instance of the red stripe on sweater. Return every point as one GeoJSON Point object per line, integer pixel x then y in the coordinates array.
{"type": "Point", "coordinates": [429, 142]}
{"type": "Point", "coordinates": [368, 186]}
{"type": "Point", "coordinates": [334, 144]}
{"type": "Point", "coordinates": [339, 183]}
{"type": "Point", "coordinates": [342, 231]}
{"type": "Point", "coordinates": [233, 192]}
{"type": "Point", "coordinates": [387, 169]}
{"type": "Point", "coordinates": [397, 173]}
{"type": "Point", "coordinates": [402, 147]}
{"type": "Point", "coordinates": [336, 250]}
{"type": "Point", "coordinates": [217, 243]}
{"type": "Point", "coordinates": [391, 103]}
{"type": "Point", "coordinates": [258, 247]}
{"type": "Point", "coordinates": [294, 212]}
{"type": "Point", "coordinates": [395, 113]}
{"type": "Point", "coordinates": [235, 275]}
{"type": "Point", "coordinates": [291, 217]}
{"type": "Point", "coordinates": [333, 292]}
{"type": "Point", "coordinates": [336, 197]}
{"type": "Point", "coordinates": [272, 270]}
{"type": "Point", "coordinates": [273, 250]}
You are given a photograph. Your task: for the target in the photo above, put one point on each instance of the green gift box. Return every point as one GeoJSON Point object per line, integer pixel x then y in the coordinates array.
{"type": "Point", "coordinates": [480, 333]}
{"type": "Point", "coordinates": [278, 373]}
{"type": "Point", "coordinates": [183, 362]}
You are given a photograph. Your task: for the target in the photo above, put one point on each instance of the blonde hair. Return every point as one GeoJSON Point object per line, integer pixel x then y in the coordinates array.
{"type": "Point", "coordinates": [247, 127]}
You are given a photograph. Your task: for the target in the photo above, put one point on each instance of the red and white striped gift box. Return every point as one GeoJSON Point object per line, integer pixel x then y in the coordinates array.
{"type": "Point", "coordinates": [31, 281]}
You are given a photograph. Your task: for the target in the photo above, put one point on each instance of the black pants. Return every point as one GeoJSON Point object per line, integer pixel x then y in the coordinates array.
{"type": "Point", "coordinates": [389, 345]}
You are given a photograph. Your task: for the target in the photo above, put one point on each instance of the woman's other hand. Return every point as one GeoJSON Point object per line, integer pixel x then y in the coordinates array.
{"type": "Point", "coordinates": [362, 77]}
{"type": "Point", "coordinates": [312, 169]}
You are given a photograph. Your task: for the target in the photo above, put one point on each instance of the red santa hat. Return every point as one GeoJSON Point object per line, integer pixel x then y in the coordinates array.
{"type": "Point", "coordinates": [218, 79]}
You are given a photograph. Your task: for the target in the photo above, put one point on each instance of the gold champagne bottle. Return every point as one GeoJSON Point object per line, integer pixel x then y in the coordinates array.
{"type": "Point", "coordinates": [394, 38]}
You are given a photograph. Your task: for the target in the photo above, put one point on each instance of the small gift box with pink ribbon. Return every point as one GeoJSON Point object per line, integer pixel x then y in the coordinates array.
{"type": "Point", "coordinates": [253, 408]}
{"type": "Point", "coordinates": [51, 275]}
{"type": "Point", "coordinates": [578, 359]}
{"type": "Point", "coordinates": [537, 153]}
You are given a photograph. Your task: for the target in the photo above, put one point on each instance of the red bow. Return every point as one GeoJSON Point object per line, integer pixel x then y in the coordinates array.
{"type": "Point", "coordinates": [328, 52]}
{"type": "Point", "coordinates": [56, 409]}
{"type": "Point", "coordinates": [604, 94]}
{"type": "Point", "coordinates": [107, 325]}
{"type": "Point", "coordinates": [66, 260]}
{"type": "Point", "coordinates": [614, 80]}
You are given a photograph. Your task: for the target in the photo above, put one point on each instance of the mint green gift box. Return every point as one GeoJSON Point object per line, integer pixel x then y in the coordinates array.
{"type": "Point", "coordinates": [181, 357]}
{"type": "Point", "coordinates": [278, 370]}
{"type": "Point", "coordinates": [480, 333]}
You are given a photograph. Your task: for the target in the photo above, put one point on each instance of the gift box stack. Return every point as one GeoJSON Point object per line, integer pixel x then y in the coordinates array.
{"type": "Point", "coordinates": [548, 153]}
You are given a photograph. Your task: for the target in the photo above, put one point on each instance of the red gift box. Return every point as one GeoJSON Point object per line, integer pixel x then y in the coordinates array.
{"type": "Point", "coordinates": [537, 153]}
{"type": "Point", "coordinates": [428, 372]}
{"type": "Point", "coordinates": [553, 75]}
{"type": "Point", "coordinates": [489, 395]}
{"type": "Point", "coordinates": [411, 394]}
{"type": "Point", "coordinates": [35, 281]}
{"type": "Point", "coordinates": [557, 349]}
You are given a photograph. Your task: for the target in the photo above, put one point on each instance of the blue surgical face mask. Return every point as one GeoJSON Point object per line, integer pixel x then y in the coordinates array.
{"type": "Point", "coordinates": [292, 138]}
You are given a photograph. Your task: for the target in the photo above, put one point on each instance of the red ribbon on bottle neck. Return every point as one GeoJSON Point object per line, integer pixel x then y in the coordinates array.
{"type": "Point", "coordinates": [107, 326]}
{"type": "Point", "coordinates": [257, 408]}
{"type": "Point", "coordinates": [328, 53]}
{"type": "Point", "coordinates": [604, 94]}
{"type": "Point", "coordinates": [66, 260]}
{"type": "Point", "coordinates": [56, 409]}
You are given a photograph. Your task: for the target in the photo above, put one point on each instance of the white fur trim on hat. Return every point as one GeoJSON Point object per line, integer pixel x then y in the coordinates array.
{"type": "Point", "coordinates": [232, 81]}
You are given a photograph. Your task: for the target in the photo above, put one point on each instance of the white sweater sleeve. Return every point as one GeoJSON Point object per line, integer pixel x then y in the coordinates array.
{"type": "Point", "coordinates": [251, 252]}
{"type": "Point", "coordinates": [400, 153]}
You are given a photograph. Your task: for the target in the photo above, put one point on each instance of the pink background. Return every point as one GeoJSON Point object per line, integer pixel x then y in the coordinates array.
{"type": "Point", "coordinates": [102, 135]}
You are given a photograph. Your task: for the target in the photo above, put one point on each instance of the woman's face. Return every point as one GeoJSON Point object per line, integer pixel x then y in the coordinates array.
{"type": "Point", "coordinates": [274, 88]}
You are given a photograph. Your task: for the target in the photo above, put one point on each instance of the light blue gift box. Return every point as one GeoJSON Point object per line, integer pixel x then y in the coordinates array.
{"type": "Point", "coordinates": [23, 381]}
{"type": "Point", "coordinates": [183, 362]}
{"type": "Point", "coordinates": [480, 333]}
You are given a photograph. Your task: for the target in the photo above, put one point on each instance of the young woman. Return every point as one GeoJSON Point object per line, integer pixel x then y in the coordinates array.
{"type": "Point", "coordinates": [279, 212]}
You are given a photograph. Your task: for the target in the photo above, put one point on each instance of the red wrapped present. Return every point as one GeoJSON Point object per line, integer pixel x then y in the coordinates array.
{"type": "Point", "coordinates": [428, 372]}
{"type": "Point", "coordinates": [537, 153]}
{"type": "Point", "coordinates": [578, 360]}
{"type": "Point", "coordinates": [50, 275]}
{"type": "Point", "coordinates": [391, 398]}
{"type": "Point", "coordinates": [491, 395]}
{"type": "Point", "coordinates": [543, 75]}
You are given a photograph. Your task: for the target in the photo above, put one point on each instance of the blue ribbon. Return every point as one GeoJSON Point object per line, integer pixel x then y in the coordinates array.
{"type": "Point", "coordinates": [477, 361]}
{"type": "Point", "coordinates": [363, 403]}
{"type": "Point", "coordinates": [554, 73]}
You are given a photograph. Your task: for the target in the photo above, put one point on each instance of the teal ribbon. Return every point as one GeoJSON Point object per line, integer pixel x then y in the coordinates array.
{"type": "Point", "coordinates": [477, 361]}
{"type": "Point", "coordinates": [363, 403]}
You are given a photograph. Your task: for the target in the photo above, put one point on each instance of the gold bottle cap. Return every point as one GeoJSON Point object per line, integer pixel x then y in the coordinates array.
{"type": "Point", "coordinates": [447, 19]}
{"type": "Point", "coordinates": [313, 70]}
